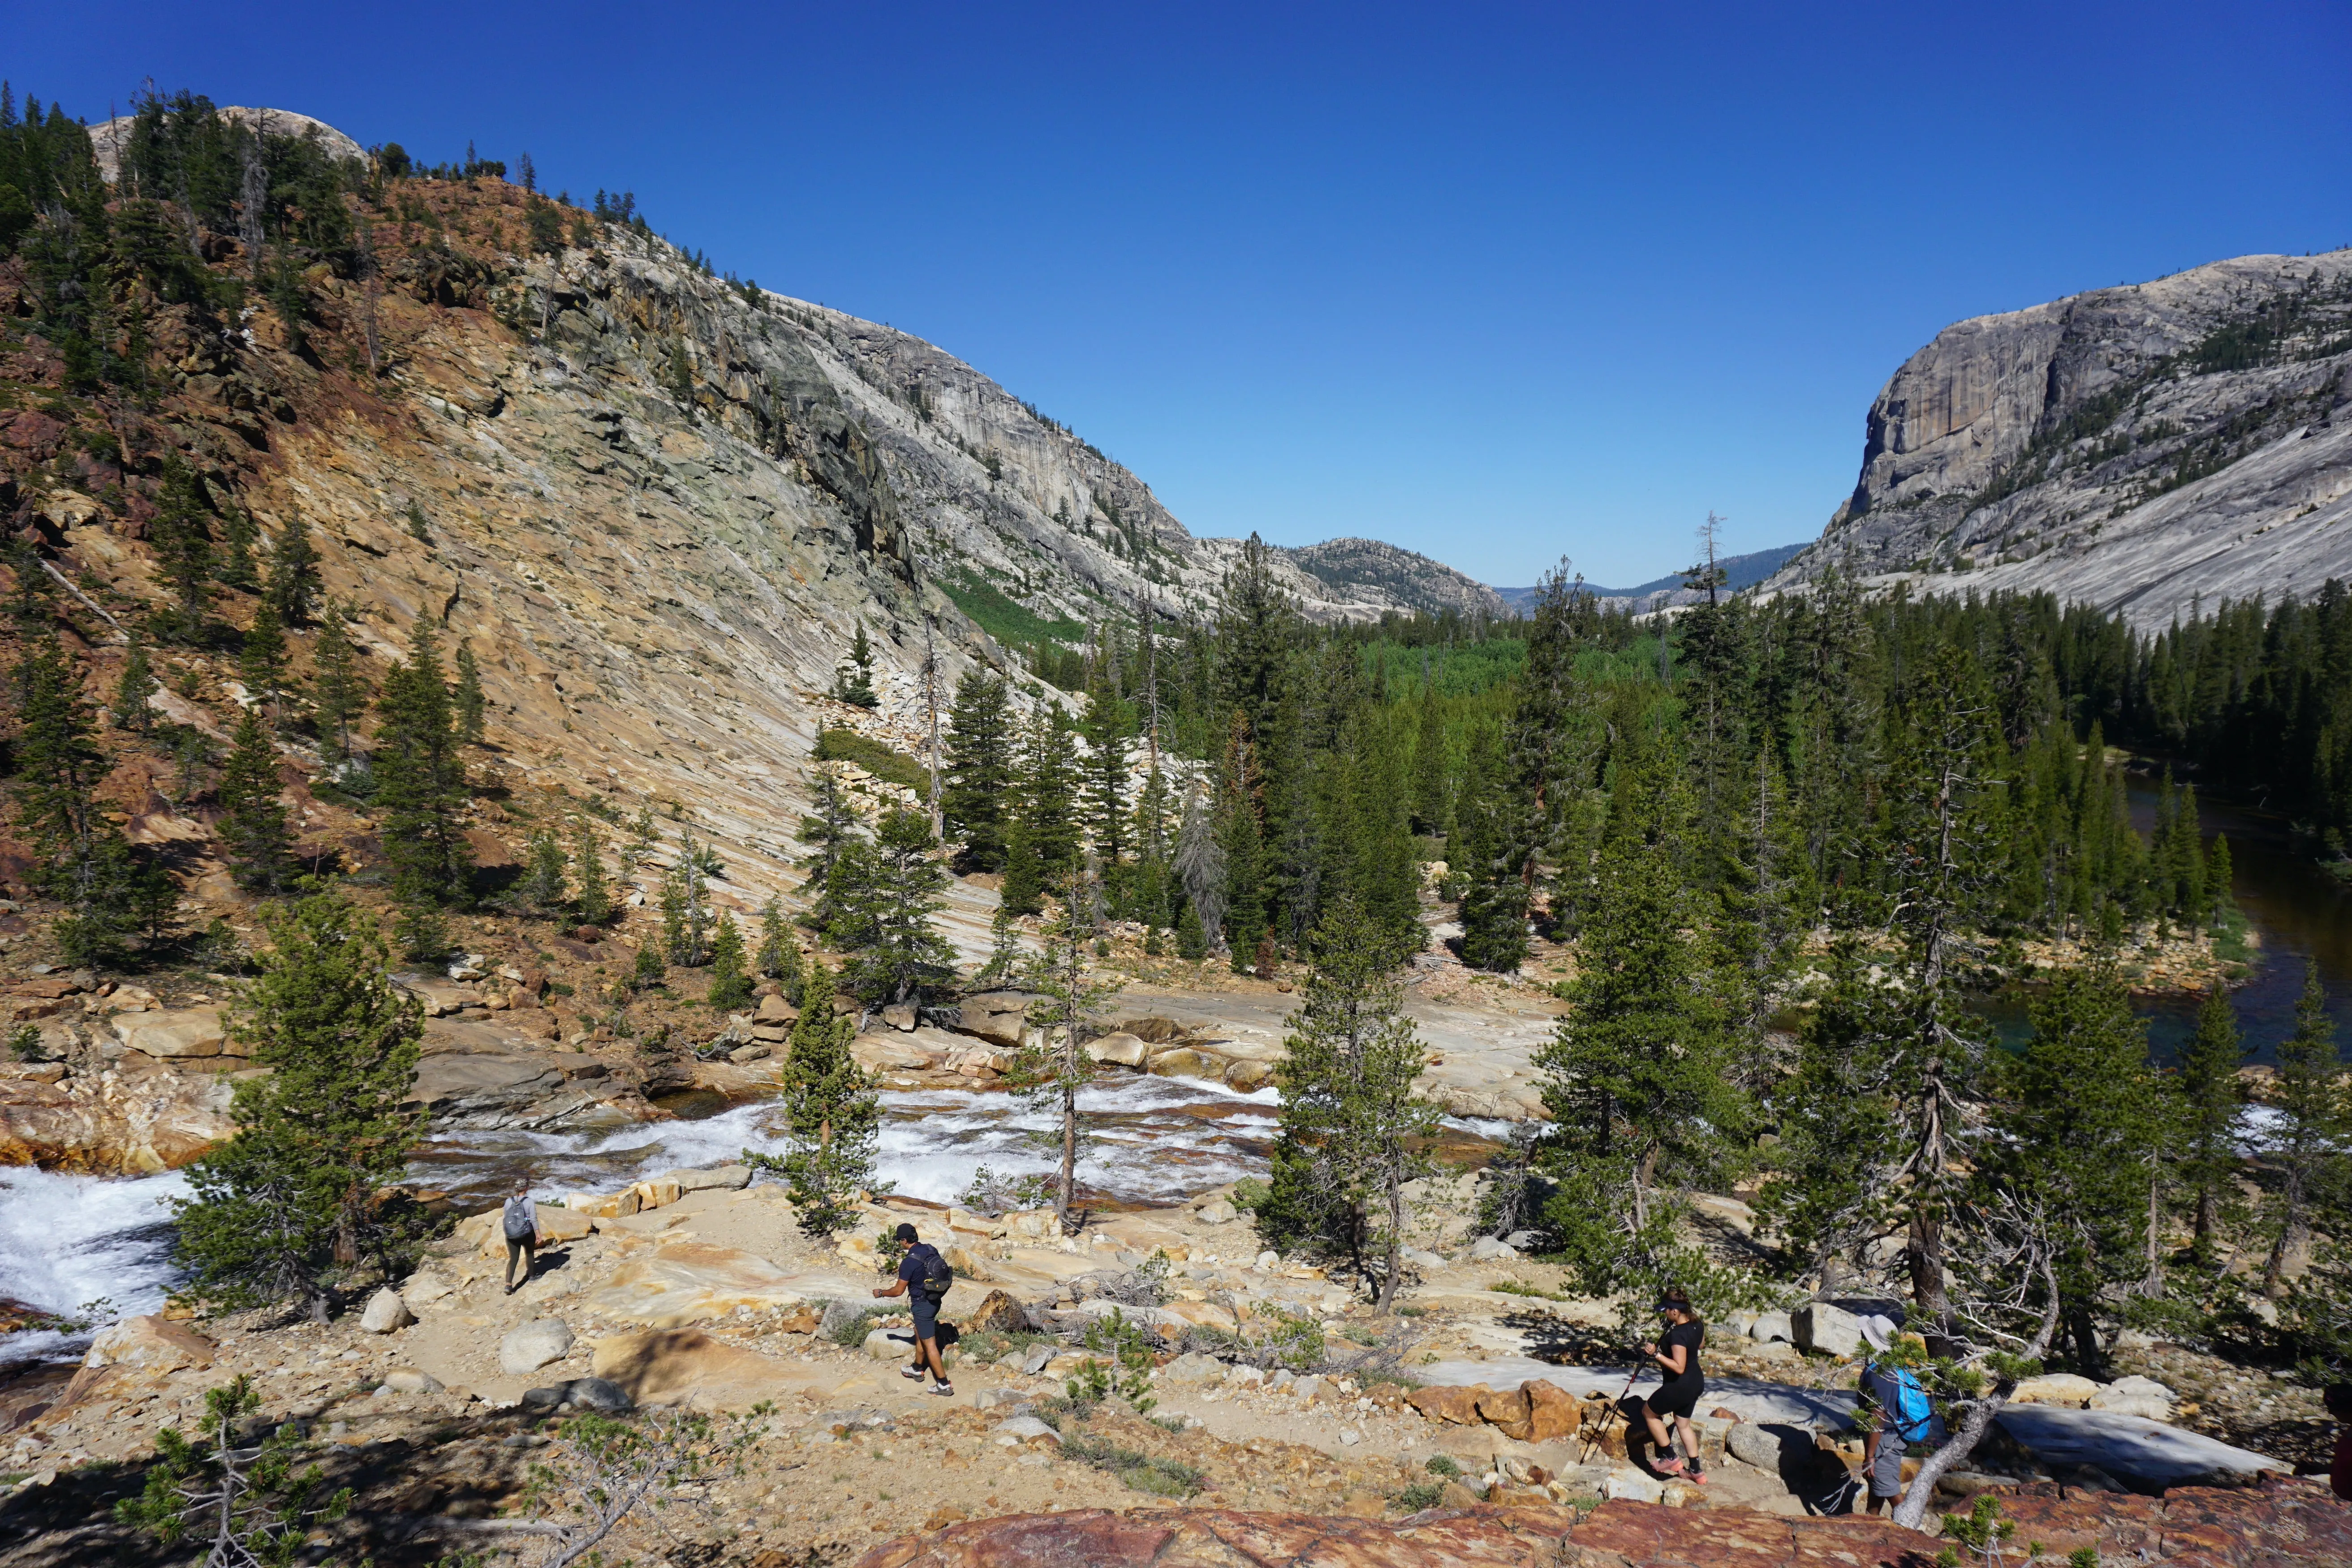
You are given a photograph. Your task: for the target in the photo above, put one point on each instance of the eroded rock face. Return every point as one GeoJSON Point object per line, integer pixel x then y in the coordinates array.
{"type": "Point", "coordinates": [114, 1123]}
{"type": "Point", "coordinates": [2047, 447]}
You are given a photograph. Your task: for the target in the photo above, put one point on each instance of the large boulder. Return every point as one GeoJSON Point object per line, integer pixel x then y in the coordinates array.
{"type": "Point", "coordinates": [1826, 1330]}
{"type": "Point", "coordinates": [1456, 1405]}
{"type": "Point", "coordinates": [149, 1344]}
{"type": "Point", "coordinates": [1117, 1050]}
{"type": "Point", "coordinates": [1552, 1412]}
{"type": "Point", "coordinates": [534, 1345]}
{"type": "Point", "coordinates": [385, 1313]}
{"type": "Point", "coordinates": [2063, 1388]}
{"type": "Point", "coordinates": [1489, 1249]}
{"type": "Point", "coordinates": [177, 1034]}
{"type": "Point", "coordinates": [1507, 1410]}
{"type": "Point", "coordinates": [998, 1312]}
{"type": "Point", "coordinates": [995, 1016]}
{"type": "Point", "coordinates": [1771, 1327]}
{"type": "Point", "coordinates": [2142, 1396]}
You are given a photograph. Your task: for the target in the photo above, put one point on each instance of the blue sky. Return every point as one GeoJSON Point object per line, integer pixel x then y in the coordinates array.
{"type": "Point", "coordinates": [1499, 283]}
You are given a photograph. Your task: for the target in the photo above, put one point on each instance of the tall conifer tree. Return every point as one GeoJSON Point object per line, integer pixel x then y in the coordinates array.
{"type": "Point", "coordinates": [422, 791]}
{"type": "Point", "coordinates": [979, 772]}
{"type": "Point", "coordinates": [253, 823]}
{"type": "Point", "coordinates": [275, 1213]}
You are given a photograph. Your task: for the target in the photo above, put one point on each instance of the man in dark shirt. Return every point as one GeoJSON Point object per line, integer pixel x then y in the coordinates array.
{"type": "Point", "coordinates": [912, 1269]}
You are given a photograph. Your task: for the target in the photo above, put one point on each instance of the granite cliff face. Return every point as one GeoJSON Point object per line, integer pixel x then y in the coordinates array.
{"type": "Point", "coordinates": [999, 494]}
{"type": "Point", "coordinates": [2140, 448]}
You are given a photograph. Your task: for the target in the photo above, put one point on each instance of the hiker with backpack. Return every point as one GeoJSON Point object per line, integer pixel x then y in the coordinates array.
{"type": "Point", "coordinates": [924, 1279]}
{"type": "Point", "coordinates": [1905, 1414]}
{"type": "Point", "coordinates": [520, 1221]}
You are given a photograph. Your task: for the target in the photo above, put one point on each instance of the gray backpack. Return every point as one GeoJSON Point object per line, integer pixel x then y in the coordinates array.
{"type": "Point", "coordinates": [522, 1222]}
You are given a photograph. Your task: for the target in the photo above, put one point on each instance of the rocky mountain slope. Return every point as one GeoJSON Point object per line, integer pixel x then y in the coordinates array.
{"type": "Point", "coordinates": [996, 493]}
{"type": "Point", "coordinates": [2143, 448]}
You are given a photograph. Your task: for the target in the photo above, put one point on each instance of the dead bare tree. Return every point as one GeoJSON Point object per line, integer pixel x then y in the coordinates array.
{"type": "Point", "coordinates": [1999, 1322]}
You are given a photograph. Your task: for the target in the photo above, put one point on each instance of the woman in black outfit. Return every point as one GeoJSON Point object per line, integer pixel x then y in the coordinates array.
{"type": "Point", "coordinates": [1676, 1353]}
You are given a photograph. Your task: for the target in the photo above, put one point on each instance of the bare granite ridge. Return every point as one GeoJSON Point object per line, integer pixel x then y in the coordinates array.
{"type": "Point", "coordinates": [2143, 448]}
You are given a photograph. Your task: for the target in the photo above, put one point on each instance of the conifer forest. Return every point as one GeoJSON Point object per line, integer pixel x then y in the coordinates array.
{"type": "Point", "coordinates": [487, 694]}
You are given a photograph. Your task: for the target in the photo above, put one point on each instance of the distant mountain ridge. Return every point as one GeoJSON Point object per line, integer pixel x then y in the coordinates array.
{"type": "Point", "coordinates": [1740, 572]}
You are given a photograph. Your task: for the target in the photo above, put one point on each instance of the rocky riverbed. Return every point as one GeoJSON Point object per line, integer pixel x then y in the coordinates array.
{"type": "Point", "coordinates": [696, 1287]}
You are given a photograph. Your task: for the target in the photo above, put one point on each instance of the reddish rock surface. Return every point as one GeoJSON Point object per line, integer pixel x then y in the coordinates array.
{"type": "Point", "coordinates": [2282, 1524]}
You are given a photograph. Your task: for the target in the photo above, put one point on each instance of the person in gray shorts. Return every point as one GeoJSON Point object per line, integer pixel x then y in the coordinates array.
{"type": "Point", "coordinates": [1883, 1390]}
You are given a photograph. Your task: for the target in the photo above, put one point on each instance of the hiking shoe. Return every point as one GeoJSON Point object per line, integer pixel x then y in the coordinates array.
{"type": "Point", "coordinates": [944, 1390]}
{"type": "Point", "coordinates": [1667, 1467]}
{"type": "Point", "coordinates": [914, 1372]}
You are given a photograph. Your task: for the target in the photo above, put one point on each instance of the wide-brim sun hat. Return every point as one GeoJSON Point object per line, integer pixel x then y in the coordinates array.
{"type": "Point", "coordinates": [1879, 1331]}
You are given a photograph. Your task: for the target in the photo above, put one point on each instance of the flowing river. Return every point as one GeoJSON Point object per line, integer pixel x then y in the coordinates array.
{"type": "Point", "coordinates": [70, 1241]}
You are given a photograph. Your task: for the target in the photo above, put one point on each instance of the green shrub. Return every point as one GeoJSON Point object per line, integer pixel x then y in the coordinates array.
{"type": "Point", "coordinates": [1161, 1477]}
{"type": "Point", "coordinates": [1443, 1466]}
{"type": "Point", "coordinates": [1421, 1495]}
{"type": "Point", "coordinates": [890, 766]}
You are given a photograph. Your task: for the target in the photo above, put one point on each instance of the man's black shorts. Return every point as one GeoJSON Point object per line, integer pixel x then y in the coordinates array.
{"type": "Point", "coordinates": [926, 1314]}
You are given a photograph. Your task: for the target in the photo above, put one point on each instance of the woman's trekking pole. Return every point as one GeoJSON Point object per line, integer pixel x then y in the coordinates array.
{"type": "Point", "coordinates": [1616, 1408]}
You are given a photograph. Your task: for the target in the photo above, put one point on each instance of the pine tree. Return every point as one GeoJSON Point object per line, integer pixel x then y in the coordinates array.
{"type": "Point", "coordinates": [184, 549]}
{"type": "Point", "coordinates": [131, 708]}
{"type": "Point", "coordinates": [254, 823]}
{"type": "Point", "coordinates": [2087, 1130]}
{"type": "Point", "coordinates": [1043, 842]}
{"type": "Point", "coordinates": [1106, 730]}
{"type": "Point", "coordinates": [278, 1211]}
{"type": "Point", "coordinates": [978, 772]}
{"type": "Point", "coordinates": [262, 664]}
{"type": "Point", "coordinates": [595, 895]}
{"type": "Point", "coordinates": [829, 834]}
{"type": "Point", "coordinates": [1050, 1072]}
{"type": "Point", "coordinates": [2218, 876]}
{"type": "Point", "coordinates": [468, 701]}
{"type": "Point", "coordinates": [1639, 1077]}
{"type": "Point", "coordinates": [730, 986]}
{"type": "Point", "coordinates": [339, 696]}
{"type": "Point", "coordinates": [779, 958]}
{"type": "Point", "coordinates": [1352, 1134]}
{"type": "Point", "coordinates": [1192, 941]}
{"type": "Point", "coordinates": [293, 586]}
{"type": "Point", "coordinates": [422, 792]}
{"type": "Point", "coordinates": [853, 682]}
{"type": "Point", "coordinates": [885, 898]}
{"type": "Point", "coordinates": [1483, 853]}
{"type": "Point", "coordinates": [643, 836]}
{"type": "Point", "coordinates": [236, 569]}
{"type": "Point", "coordinates": [686, 910]}
{"type": "Point", "coordinates": [2311, 1115]}
{"type": "Point", "coordinates": [833, 1117]}
{"type": "Point", "coordinates": [544, 885]}
{"type": "Point", "coordinates": [1239, 841]}
{"type": "Point", "coordinates": [1430, 766]}
{"type": "Point", "coordinates": [2207, 1086]}
{"type": "Point", "coordinates": [110, 889]}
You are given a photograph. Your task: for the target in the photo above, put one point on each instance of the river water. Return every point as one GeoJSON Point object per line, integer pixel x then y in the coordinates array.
{"type": "Point", "coordinates": [2302, 914]}
{"type": "Point", "coordinates": [67, 1241]}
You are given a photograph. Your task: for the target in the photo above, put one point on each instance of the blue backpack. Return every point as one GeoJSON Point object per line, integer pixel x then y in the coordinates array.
{"type": "Point", "coordinates": [1912, 1416]}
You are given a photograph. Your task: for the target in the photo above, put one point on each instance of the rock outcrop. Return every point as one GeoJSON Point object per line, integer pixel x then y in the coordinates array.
{"type": "Point", "coordinates": [2280, 1525]}
{"type": "Point", "coordinates": [2140, 448]}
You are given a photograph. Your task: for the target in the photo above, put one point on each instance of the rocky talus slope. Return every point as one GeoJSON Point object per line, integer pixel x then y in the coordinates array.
{"type": "Point", "coordinates": [2141, 449]}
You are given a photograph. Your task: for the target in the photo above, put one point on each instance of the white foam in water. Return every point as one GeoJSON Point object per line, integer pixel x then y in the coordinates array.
{"type": "Point", "coordinates": [69, 1241]}
{"type": "Point", "coordinates": [1155, 1143]}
